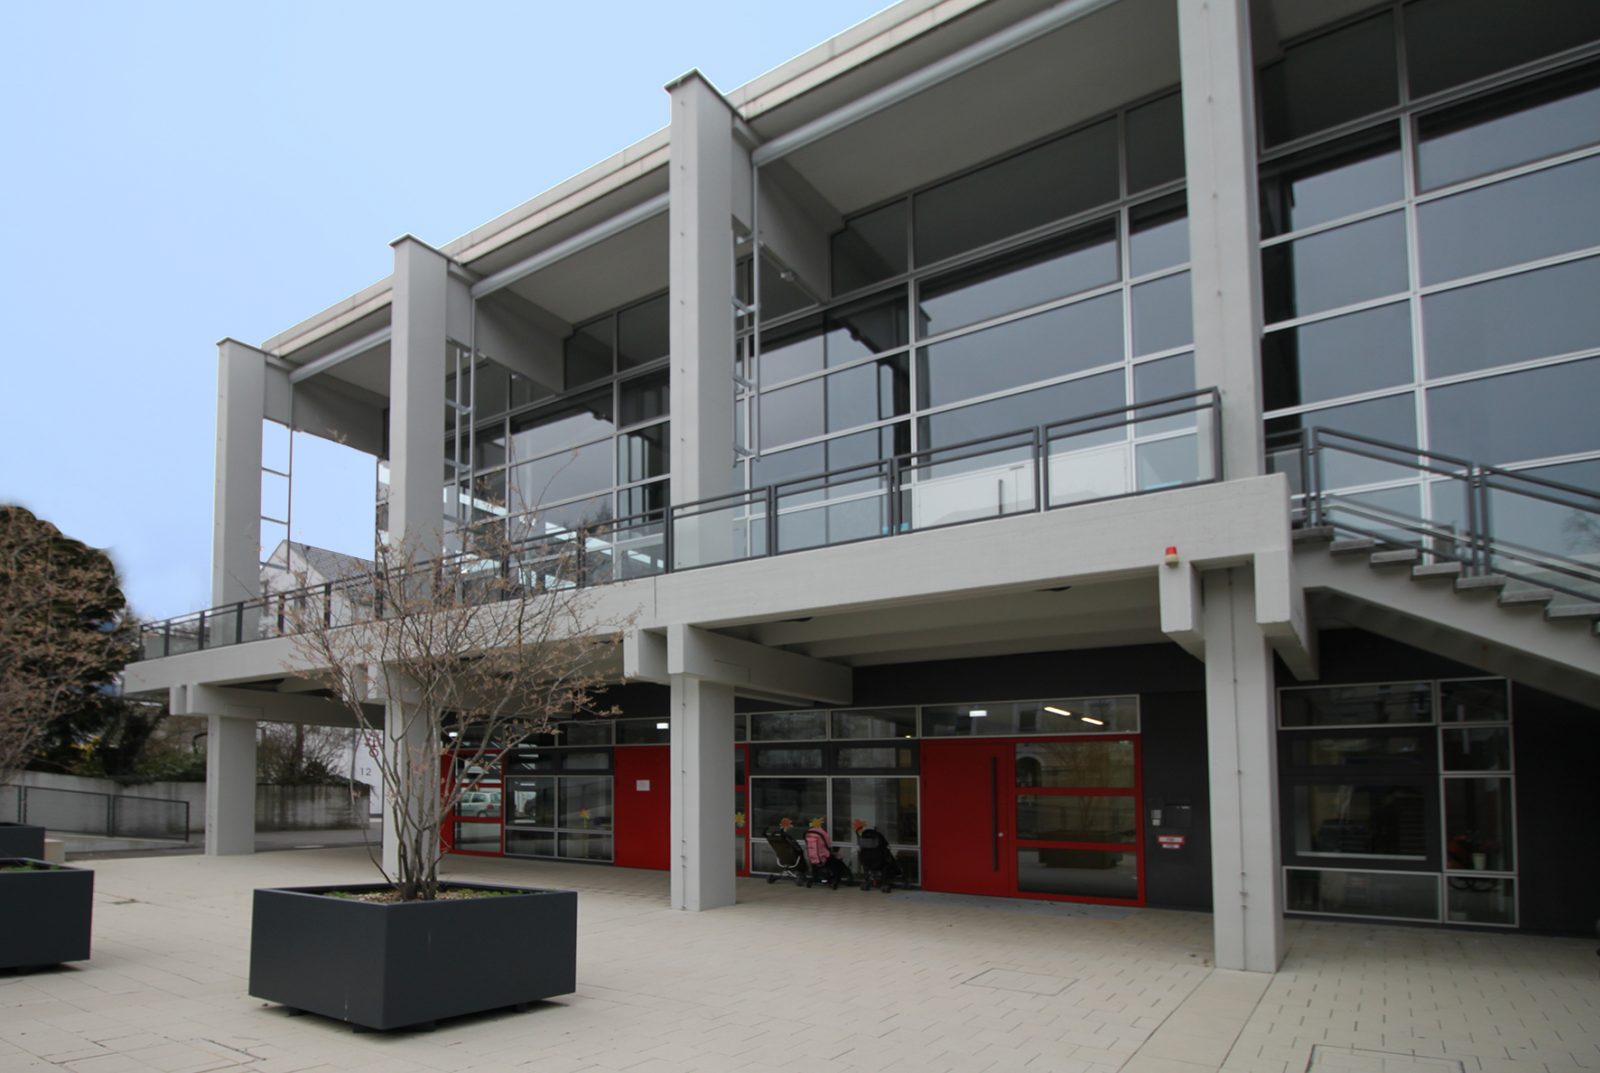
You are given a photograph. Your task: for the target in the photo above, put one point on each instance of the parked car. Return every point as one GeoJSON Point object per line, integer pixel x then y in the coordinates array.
{"type": "Point", "coordinates": [479, 803]}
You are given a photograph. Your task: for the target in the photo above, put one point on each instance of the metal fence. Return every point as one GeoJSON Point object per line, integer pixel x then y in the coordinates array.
{"type": "Point", "coordinates": [90, 813]}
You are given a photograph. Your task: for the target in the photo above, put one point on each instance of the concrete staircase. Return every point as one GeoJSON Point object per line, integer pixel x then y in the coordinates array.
{"type": "Point", "coordinates": [1485, 621]}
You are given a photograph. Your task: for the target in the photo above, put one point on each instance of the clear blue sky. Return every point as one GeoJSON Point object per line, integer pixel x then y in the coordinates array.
{"type": "Point", "coordinates": [179, 172]}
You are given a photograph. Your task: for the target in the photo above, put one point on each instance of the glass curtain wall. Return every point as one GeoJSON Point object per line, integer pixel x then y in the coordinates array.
{"type": "Point", "coordinates": [1398, 800]}
{"type": "Point", "coordinates": [1050, 284]}
{"type": "Point", "coordinates": [1430, 220]}
{"type": "Point", "coordinates": [527, 461]}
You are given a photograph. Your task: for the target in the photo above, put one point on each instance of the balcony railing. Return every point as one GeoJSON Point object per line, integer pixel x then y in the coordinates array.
{"type": "Point", "coordinates": [1491, 520]}
{"type": "Point", "coordinates": [1152, 446]}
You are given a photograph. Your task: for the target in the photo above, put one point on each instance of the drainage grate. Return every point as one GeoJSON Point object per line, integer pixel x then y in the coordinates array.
{"type": "Point", "coordinates": [1326, 1059]}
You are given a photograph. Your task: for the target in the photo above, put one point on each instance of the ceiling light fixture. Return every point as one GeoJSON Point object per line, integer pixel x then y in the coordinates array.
{"type": "Point", "coordinates": [978, 713]}
{"type": "Point", "coordinates": [1058, 711]}
{"type": "Point", "coordinates": [663, 726]}
{"type": "Point", "coordinates": [1091, 719]}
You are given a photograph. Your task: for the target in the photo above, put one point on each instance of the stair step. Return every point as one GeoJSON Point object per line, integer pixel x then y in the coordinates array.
{"type": "Point", "coordinates": [1398, 557]}
{"type": "Point", "coordinates": [1526, 596]}
{"type": "Point", "coordinates": [1572, 611]}
{"type": "Point", "coordinates": [1481, 583]}
{"type": "Point", "coordinates": [1350, 545]}
{"type": "Point", "coordinates": [1313, 534]}
{"type": "Point", "coordinates": [1428, 571]}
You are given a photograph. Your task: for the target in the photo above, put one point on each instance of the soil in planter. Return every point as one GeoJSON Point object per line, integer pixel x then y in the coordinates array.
{"type": "Point", "coordinates": [390, 897]}
{"type": "Point", "coordinates": [27, 868]}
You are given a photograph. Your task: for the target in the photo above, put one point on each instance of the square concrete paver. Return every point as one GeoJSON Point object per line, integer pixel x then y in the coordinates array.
{"type": "Point", "coordinates": [795, 979]}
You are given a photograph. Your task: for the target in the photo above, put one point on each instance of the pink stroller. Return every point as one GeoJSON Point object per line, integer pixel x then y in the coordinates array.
{"type": "Point", "coordinates": [825, 866]}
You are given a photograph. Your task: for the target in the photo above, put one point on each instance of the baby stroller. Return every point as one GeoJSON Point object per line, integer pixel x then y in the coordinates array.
{"type": "Point", "coordinates": [790, 855]}
{"type": "Point", "coordinates": [826, 867]}
{"type": "Point", "coordinates": [876, 860]}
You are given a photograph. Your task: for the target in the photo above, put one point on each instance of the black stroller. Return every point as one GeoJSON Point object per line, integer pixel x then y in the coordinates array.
{"type": "Point", "coordinates": [876, 861]}
{"type": "Point", "coordinates": [791, 857]}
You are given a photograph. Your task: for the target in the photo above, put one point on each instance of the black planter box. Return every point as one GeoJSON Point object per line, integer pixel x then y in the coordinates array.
{"type": "Point", "coordinates": [390, 965]}
{"type": "Point", "coordinates": [22, 840]}
{"type": "Point", "coordinates": [45, 914]}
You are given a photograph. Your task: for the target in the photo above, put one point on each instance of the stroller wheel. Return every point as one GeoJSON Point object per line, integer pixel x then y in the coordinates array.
{"type": "Point", "coordinates": [772, 879]}
{"type": "Point", "coordinates": [887, 887]}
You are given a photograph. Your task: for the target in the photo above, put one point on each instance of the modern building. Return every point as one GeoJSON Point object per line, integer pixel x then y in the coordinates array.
{"type": "Point", "coordinates": [1139, 451]}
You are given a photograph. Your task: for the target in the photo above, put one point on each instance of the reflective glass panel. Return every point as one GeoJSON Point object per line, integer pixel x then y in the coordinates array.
{"type": "Point", "coordinates": [579, 846]}
{"type": "Point", "coordinates": [1476, 748]}
{"type": "Point", "coordinates": [1077, 262]}
{"type": "Point", "coordinates": [530, 843]}
{"type": "Point", "coordinates": [1449, 42]}
{"type": "Point", "coordinates": [1329, 80]}
{"type": "Point", "coordinates": [1334, 268]}
{"type": "Point", "coordinates": [1331, 181]}
{"type": "Point", "coordinates": [532, 802]}
{"type": "Point", "coordinates": [1046, 183]}
{"type": "Point", "coordinates": [1079, 715]}
{"type": "Point", "coordinates": [1506, 223]}
{"type": "Point", "coordinates": [1162, 314]}
{"type": "Point", "coordinates": [1075, 764]}
{"type": "Point", "coordinates": [1474, 701]}
{"type": "Point", "coordinates": [1480, 900]}
{"type": "Point", "coordinates": [876, 723]}
{"type": "Point", "coordinates": [1360, 820]}
{"type": "Point", "coordinates": [889, 804]}
{"type": "Point", "coordinates": [1071, 818]}
{"type": "Point", "coordinates": [642, 453]}
{"type": "Point", "coordinates": [962, 720]}
{"type": "Point", "coordinates": [1478, 829]}
{"type": "Point", "coordinates": [1038, 347]}
{"type": "Point", "coordinates": [871, 247]}
{"type": "Point", "coordinates": [643, 732]}
{"type": "Point", "coordinates": [1392, 419]}
{"type": "Point", "coordinates": [1058, 402]}
{"type": "Point", "coordinates": [1530, 315]}
{"type": "Point", "coordinates": [798, 800]}
{"type": "Point", "coordinates": [588, 353]}
{"type": "Point", "coordinates": [1469, 420]}
{"type": "Point", "coordinates": [791, 351]}
{"type": "Point", "coordinates": [578, 421]}
{"type": "Point", "coordinates": [788, 726]}
{"type": "Point", "coordinates": [874, 757]}
{"type": "Point", "coordinates": [783, 758]}
{"type": "Point", "coordinates": [1364, 705]}
{"type": "Point", "coordinates": [1155, 143]}
{"type": "Point", "coordinates": [642, 333]}
{"type": "Point", "coordinates": [1482, 137]}
{"type": "Point", "coordinates": [586, 802]}
{"type": "Point", "coordinates": [1082, 873]}
{"type": "Point", "coordinates": [644, 398]}
{"type": "Point", "coordinates": [1343, 355]}
{"type": "Point", "coordinates": [863, 329]}
{"type": "Point", "coordinates": [587, 761]}
{"type": "Point", "coordinates": [1359, 752]}
{"type": "Point", "coordinates": [1399, 895]}
{"type": "Point", "coordinates": [1158, 235]}
{"type": "Point", "coordinates": [477, 837]}
{"type": "Point", "coordinates": [560, 476]}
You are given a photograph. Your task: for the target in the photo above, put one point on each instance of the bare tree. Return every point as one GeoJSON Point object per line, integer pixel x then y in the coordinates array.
{"type": "Point", "coordinates": [472, 655]}
{"type": "Point", "coordinates": [293, 753]}
{"type": "Point", "coordinates": [64, 634]}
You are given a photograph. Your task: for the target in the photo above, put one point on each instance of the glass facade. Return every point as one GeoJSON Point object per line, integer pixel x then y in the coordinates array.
{"type": "Point", "coordinates": [1397, 800]}
{"type": "Point", "coordinates": [1050, 284]}
{"type": "Point", "coordinates": [1430, 221]}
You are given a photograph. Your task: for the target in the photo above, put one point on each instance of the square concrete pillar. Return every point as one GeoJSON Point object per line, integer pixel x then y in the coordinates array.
{"type": "Point", "coordinates": [418, 349]}
{"type": "Point", "coordinates": [236, 518]}
{"type": "Point", "coordinates": [230, 785]}
{"type": "Point", "coordinates": [1241, 752]}
{"type": "Point", "coordinates": [1219, 133]}
{"type": "Point", "coordinates": [702, 794]}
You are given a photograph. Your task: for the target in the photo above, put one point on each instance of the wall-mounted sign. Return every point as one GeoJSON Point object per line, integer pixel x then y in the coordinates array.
{"type": "Point", "coordinates": [642, 785]}
{"type": "Point", "coordinates": [1171, 841]}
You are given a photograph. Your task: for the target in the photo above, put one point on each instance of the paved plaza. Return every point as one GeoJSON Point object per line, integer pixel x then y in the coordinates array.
{"type": "Point", "coordinates": [794, 979]}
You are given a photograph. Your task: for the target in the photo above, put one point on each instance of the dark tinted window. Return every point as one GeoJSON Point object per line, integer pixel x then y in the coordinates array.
{"type": "Point", "coordinates": [1039, 347]}
{"type": "Point", "coordinates": [1155, 143]}
{"type": "Point", "coordinates": [1334, 268]}
{"type": "Point", "coordinates": [1028, 409]}
{"type": "Point", "coordinates": [1329, 80]}
{"type": "Point", "coordinates": [588, 353]}
{"type": "Point", "coordinates": [1087, 258]}
{"type": "Point", "coordinates": [1343, 356]}
{"type": "Point", "coordinates": [1162, 314]}
{"type": "Point", "coordinates": [1449, 42]}
{"type": "Point", "coordinates": [642, 333]}
{"type": "Point", "coordinates": [1049, 182]}
{"type": "Point", "coordinates": [1158, 235]}
{"type": "Point", "coordinates": [1530, 315]}
{"type": "Point", "coordinates": [644, 397]}
{"type": "Point", "coordinates": [1478, 419]}
{"type": "Point", "coordinates": [1484, 136]}
{"type": "Point", "coordinates": [1331, 181]}
{"type": "Point", "coordinates": [871, 247]}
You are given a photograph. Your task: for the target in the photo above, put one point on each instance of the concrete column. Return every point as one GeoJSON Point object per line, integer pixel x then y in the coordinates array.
{"type": "Point", "coordinates": [230, 786]}
{"type": "Point", "coordinates": [1219, 132]}
{"type": "Point", "coordinates": [403, 735]}
{"type": "Point", "coordinates": [1241, 707]}
{"type": "Point", "coordinates": [236, 519]}
{"type": "Point", "coordinates": [701, 326]}
{"type": "Point", "coordinates": [702, 794]}
{"type": "Point", "coordinates": [418, 349]}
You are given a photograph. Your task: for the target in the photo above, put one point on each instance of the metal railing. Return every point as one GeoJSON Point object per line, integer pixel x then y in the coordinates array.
{"type": "Point", "coordinates": [1112, 454]}
{"type": "Point", "coordinates": [1489, 519]}
{"type": "Point", "coordinates": [92, 813]}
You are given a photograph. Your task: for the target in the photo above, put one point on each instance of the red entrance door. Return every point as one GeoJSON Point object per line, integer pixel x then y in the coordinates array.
{"type": "Point", "coordinates": [1058, 818]}
{"type": "Point", "coordinates": [966, 816]}
{"type": "Point", "coordinates": [643, 804]}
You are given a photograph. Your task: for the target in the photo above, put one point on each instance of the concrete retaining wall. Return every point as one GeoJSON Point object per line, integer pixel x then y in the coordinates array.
{"type": "Point", "coordinates": [278, 808]}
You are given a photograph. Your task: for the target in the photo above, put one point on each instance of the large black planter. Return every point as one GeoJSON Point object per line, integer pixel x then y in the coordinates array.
{"type": "Point", "coordinates": [391, 965]}
{"type": "Point", "coordinates": [22, 840]}
{"type": "Point", "coordinates": [45, 913]}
